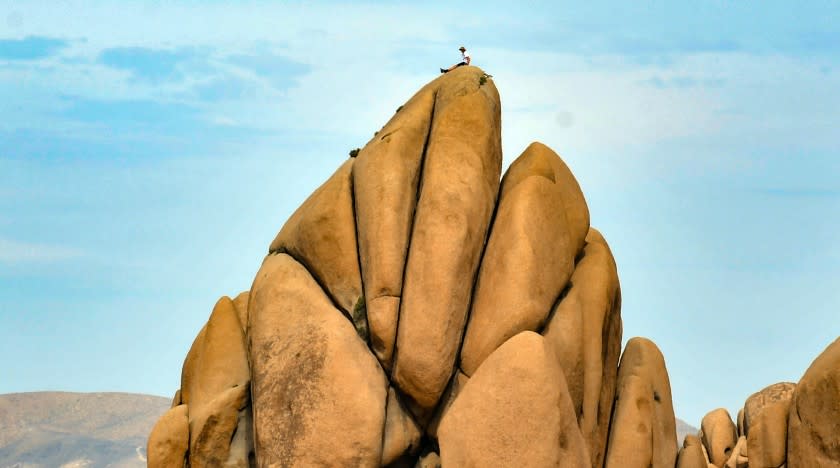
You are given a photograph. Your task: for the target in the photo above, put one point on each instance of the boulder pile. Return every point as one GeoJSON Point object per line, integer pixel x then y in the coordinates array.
{"type": "Point", "coordinates": [419, 309]}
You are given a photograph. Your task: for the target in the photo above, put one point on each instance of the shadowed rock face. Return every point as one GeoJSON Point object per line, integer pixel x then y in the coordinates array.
{"type": "Point", "coordinates": [417, 310]}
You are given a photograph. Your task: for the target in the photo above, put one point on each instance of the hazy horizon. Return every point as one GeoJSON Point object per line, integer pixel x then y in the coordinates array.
{"type": "Point", "coordinates": [150, 153]}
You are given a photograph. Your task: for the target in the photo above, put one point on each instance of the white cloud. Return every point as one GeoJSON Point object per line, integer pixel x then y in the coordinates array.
{"type": "Point", "coordinates": [14, 252]}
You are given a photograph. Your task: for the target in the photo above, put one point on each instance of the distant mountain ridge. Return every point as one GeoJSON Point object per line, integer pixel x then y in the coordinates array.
{"type": "Point", "coordinates": [89, 430]}
{"type": "Point", "coordinates": [76, 430]}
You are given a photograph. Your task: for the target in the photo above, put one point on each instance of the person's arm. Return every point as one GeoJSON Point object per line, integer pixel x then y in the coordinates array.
{"type": "Point", "coordinates": [467, 59]}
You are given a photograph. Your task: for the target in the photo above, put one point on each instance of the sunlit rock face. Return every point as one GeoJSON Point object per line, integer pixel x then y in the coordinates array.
{"type": "Point", "coordinates": [421, 307]}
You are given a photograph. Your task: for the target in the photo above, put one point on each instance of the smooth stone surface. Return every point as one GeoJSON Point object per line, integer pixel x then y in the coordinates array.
{"type": "Point", "coordinates": [514, 411]}
{"type": "Point", "coordinates": [528, 261]}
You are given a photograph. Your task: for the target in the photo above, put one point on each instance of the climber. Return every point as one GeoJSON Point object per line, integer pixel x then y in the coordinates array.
{"type": "Point", "coordinates": [465, 60]}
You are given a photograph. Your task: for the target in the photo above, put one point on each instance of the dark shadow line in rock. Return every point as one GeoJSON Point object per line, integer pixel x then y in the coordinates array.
{"type": "Point", "coordinates": [411, 229]}
{"type": "Point", "coordinates": [551, 312]}
{"type": "Point", "coordinates": [366, 338]}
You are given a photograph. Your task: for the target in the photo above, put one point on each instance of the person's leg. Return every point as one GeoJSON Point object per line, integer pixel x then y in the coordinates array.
{"type": "Point", "coordinates": [453, 67]}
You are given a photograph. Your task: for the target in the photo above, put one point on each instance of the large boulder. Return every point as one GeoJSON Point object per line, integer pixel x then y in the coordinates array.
{"type": "Point", "coordinates": [215, 383]}
{"type": "Point", "coordinates": [585, 333]}
{"type": "Point", "coordinates": [514, 411]}
{"type": "Point", "coordinates": [169, 440]}
{"type": "Point", "coordinates": [765, 424]}
{"type": "Point", "coordinates": [643, 430]}
{"type": "Point", "coordinates": [814, 421]}
{"type": "Point", "coordinates": [719, 435]}
{"type": "Point", "coordinates": [691, 454]}
{"type": "Point", "coordinates": [458, 192]}
{"type": "Point", "coordinates": [529, 258]}
{"type": "Point", "coordinates": [319, 394]}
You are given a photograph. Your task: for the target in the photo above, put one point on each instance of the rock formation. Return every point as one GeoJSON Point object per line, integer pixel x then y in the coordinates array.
{"type": "Point", "coordinates": [416, 310]}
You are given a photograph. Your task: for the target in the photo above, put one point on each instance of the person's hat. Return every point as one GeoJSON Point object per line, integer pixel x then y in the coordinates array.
{"type": "Point", "coordinates": [462, 48]}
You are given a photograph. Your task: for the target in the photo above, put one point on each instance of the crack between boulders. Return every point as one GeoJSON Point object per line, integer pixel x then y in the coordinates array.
{"type": "Point", "coordinates": [420, 172]}
{"type": "Point", "coordinates": [553, 311]}
{"type": "Point", "coordinates": [358, 259]}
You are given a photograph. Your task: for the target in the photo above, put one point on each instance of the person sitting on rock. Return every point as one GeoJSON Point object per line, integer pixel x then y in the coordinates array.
{"type": "Point", "coordinates": [465, 60]}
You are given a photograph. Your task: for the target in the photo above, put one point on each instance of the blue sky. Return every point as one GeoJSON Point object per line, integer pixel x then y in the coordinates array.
{"type": "Point", "coordinates": [150, 152]}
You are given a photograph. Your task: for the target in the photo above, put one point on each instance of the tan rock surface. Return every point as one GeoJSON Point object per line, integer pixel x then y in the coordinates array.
{"type": "Point", "coordinates": [643, 429]}
{"type": "Point", "coordinates": [216, 365]}
{"type": "Point", "coordinates": [514, 411]}
{"type": "Point", "coordinates": [213, 430]}
{"type": "Point", "coordinates": [460, 182]}
{"type": "Point", "coordinates": [765, 423]}
{"type": "Point", "coordinates": [402, 433]}
{"type": "Point", "coordinates": [585, 333]}
{"type": "Point", "coordinates": [386, 177]}
{"type": "Point", "coordinates": [529, 258]}
{"type": "Point", "coordinates": [691, 454]}
{"type": "Point", "coordinates": [319, 394]}
{"type": "Point", "coordinates": [169, 440]}
{"type": "Point", "coordinates": [719, 435]}
{"type": "Point", "coordinates": [321, 235]}
{"type": "Point", "coordinates": [814, 421]}
{"type": "Point", "coordinates": [217, 360]}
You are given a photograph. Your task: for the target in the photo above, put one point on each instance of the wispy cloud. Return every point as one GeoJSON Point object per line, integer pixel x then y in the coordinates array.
{"type": "Point", "coordinates": [14, 252]}
{"type": "Point", "coordinates": [147, 64]}
{"type": "Point", "coordinates": [30, 48]}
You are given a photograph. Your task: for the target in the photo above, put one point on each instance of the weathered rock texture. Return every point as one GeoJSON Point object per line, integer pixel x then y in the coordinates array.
{"type": "Point", "coordinates": [765, 424]}
{"type": "Point", "coordinates": [643, 432]}
{"type": "Point", "coordinates": [416, 311]}
{"type": "Point", "coordinates": [319, 394]}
